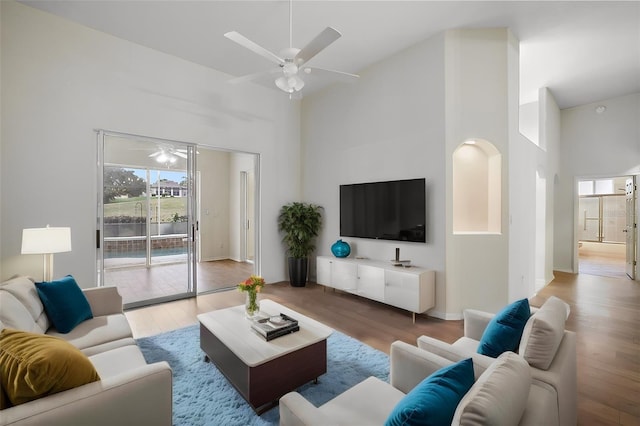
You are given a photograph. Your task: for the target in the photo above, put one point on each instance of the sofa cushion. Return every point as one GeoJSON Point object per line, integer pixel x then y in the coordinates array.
{"type": "Point", "coordinates": [500, 395]}
{"type": "Point", "coordinates": [368, 402]}
{"type": "Point", "coordinates": [64, 302]}
{"type": "Point", "coordinates": [504, 331]}
{"type": "Point", "coordinates": [21, 306]}
{"type": "Point", "coordinates": [34, 365]}
{"type": "Point", "coordinates": [118, 361]}
{"type": "Point", "coordinates": [543, 333]}
{"type": "Point", "coordinates": [89, 336]}
{"type": "Point", "coordinates": [434, 400]}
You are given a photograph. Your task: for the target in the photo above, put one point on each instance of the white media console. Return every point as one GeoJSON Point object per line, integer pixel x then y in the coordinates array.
{"type": "Point", "coordinates": [410, 288]}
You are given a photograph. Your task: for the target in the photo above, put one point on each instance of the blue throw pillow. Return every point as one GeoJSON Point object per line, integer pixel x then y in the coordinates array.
{"type": "Point", "coordinates": [435, 399]}
{"type": "Point", "coordinates": [65, 303]}
{"type": "Point", "coordinates": [505, 329]}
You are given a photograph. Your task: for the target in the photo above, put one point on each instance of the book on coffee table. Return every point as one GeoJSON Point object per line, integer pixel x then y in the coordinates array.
{"type": "Point", "coordinates": [275, 326]}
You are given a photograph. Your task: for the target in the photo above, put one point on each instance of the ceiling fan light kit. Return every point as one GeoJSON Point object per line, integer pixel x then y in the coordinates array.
{"type": "Point", "coordinates": [291, 59]}
{"type": "Point", "coordinates": [168, 155]}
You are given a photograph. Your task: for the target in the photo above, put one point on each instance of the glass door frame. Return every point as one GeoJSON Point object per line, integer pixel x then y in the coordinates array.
{"type": "Point", "coordinates": [191, 288]}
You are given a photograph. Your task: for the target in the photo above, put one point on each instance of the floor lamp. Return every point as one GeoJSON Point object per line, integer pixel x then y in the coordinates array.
{"type": "Point", "coordinates": [46, 241]}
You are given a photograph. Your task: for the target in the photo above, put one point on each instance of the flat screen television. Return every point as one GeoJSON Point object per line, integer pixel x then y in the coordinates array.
{"type": "Point", "coordinates": [392, 210]}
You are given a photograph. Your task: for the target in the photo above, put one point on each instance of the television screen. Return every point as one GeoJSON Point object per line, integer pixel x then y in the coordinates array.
{"type": "Point", "coordinates": [393, 210]}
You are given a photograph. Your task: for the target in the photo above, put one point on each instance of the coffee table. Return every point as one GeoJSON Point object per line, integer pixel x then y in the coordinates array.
{"type": "Point", "coordinates": [264, 371]}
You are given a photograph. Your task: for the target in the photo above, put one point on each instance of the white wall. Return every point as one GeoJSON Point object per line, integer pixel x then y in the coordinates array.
{"type": "Point", "coordinates": [529, 121]}
{"type": "Point", "coordinates": [548, 163]}
{"type": "Point", "coordinates": [477, 69]}
{"type": "Point", "coordinates": [388, 125]}
{"type": "Point", "coordinates": [60, 81]}
{"type": "Point", "coordinates": [592, 145]}
{"type": "Point", "coordinates": [533, 167]}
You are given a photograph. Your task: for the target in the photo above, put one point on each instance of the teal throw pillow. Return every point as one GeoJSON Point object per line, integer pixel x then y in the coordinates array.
{"type": "Point", "coordinates": [504, 331]}
{"type": "Point", "coordinates": [434, 400]}
{"type": "Point", "coordinates": [65, 303]}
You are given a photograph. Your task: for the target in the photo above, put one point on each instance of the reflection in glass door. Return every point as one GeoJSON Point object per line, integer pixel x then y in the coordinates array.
{"type": "Point", "coordinates": [145, 218]}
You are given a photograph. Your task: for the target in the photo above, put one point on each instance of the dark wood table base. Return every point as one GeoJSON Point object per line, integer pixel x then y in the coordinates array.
{"type": "Point", "coordinates": [263, 385]}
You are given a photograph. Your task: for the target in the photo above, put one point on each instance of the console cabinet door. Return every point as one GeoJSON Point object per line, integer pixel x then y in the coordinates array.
{"type": "Point", "coordinates": [323, 271]}
{"type": "Point", "coordinates": [402, 290]}
{"type": "Point", "coordinates": [371, 282]}
{"type": "Point", "coordinates": [344, 275]}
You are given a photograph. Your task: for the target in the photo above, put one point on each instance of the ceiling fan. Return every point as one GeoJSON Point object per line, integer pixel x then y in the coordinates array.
{"type": "Point", "coordinates": [291, 60]}
{"type": "Point", "coordinates": [168, 154]}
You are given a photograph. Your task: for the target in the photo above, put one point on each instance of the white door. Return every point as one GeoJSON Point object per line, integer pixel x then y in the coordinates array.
{"type": "Point", "coordinates": [631, 227]}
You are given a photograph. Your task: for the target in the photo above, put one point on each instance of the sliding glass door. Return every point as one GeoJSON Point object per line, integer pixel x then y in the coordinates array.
{"type": "Point", "coordinates": [146, 231]}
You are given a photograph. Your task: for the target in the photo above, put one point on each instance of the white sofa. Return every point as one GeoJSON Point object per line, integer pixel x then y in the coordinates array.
{"type": "Point", "coordinates": [129, 391]}
{"type": "Point", "coordinates": [549, 349]}
{"type": "Point", "coordinates": [504, 394]}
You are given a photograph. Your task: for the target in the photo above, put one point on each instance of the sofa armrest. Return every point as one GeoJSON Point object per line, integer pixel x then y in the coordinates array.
{"type": "Point", "coordinates": [562, 375]}
{"type": "Point", "coordinates": [139, 396]}
{"type": "Point", "coordinates": [475, 322]}
{"type": "Point", "coordinates": [295, 410]}
{"type": "Point", "coordinates": [409, 365]}
{"type": "Point", "coordinates": [455, 354]}
{"type": "Point", "coordinates": [104, 300]}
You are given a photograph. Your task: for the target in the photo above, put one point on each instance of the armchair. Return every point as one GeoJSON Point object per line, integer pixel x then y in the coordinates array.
{"type": "Point", "coordinates": [519, 400]}
{"type": "Point", "coordinates": [549, 349]}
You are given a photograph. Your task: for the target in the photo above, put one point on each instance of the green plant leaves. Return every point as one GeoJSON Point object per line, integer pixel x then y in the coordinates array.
{"type": "Point", "coordinates": [300, 223]}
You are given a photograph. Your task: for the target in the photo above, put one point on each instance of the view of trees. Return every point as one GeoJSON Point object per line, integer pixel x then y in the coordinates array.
{"type": "Point", "coordinates": [119, 182]}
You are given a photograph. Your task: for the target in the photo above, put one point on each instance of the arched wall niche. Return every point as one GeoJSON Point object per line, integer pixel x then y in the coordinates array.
{"type": "Point", "coordinates": [477, 188]}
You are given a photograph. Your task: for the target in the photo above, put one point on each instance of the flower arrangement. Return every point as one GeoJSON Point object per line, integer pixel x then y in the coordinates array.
{"type": "Point", "coordinates": [252, 286]}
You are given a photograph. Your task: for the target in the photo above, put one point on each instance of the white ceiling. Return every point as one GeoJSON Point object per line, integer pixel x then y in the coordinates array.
{"type": "Point", "coordinates": [583, 51]}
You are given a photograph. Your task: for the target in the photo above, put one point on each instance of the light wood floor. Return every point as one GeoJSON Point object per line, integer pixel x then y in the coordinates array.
{"type": "Point", "coordinates": [604, 259]}
{"type": "Point", "coordinates": [138, 283]}
{"type": "Point", "coordinates": [605, 315]}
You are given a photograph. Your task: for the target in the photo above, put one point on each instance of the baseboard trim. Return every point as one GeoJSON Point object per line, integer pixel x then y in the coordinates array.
{"type": "Point", "coordinates": [445, 316]}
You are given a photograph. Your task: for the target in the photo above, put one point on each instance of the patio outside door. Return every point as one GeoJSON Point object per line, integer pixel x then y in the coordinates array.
{"type": "Point", "coordinates": [146, 231]}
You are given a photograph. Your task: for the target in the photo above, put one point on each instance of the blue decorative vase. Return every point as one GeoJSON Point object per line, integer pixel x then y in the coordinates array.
{"type": "Point", "coordinates": [340, 249]}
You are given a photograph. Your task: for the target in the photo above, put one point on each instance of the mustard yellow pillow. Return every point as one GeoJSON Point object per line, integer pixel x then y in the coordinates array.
{"type": "Point", "coordinates": [35, 365]}
{"type": "Point", "coordinates": [4, 400]}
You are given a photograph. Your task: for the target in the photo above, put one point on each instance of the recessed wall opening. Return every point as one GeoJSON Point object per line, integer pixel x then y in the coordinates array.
{"type": "Point", "coordinates": [477, 188]}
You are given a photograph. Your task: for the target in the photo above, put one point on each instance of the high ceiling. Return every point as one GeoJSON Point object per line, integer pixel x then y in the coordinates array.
{"type": "Point", "coordinates": [583, 51]}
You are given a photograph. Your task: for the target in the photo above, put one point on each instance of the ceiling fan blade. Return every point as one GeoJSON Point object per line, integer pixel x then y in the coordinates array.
{"type": "Point", "coordinates": [322, 40]}
{"type": "Point", "coordinates": [345, 76]}
{"type": "Point", "coordinates": [255, 76]}
{"type": "Point", "coordinates": [180, 154]}
{"type": "Point", "coordinates": [155, 154]}
{"type": "Point", "coordinates": [254, 47]}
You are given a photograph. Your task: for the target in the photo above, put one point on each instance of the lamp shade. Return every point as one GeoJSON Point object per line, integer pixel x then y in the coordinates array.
{"type": "Point", "coordinates": [46, 240]}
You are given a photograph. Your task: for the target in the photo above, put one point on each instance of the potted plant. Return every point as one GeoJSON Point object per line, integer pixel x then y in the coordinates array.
{"type": "Point", "coordinates": [300, 224]}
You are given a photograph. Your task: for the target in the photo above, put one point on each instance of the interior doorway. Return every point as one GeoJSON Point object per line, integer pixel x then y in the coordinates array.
{"type": "Point", "coordinates": [601, 233]}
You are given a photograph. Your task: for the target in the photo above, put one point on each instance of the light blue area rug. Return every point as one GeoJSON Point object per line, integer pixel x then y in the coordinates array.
{"type": "Point", "coordinates": [203, 396]}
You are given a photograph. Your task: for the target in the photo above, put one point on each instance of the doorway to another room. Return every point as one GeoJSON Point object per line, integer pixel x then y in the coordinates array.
{"type": "Point", "coordinates": [603, 246]}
